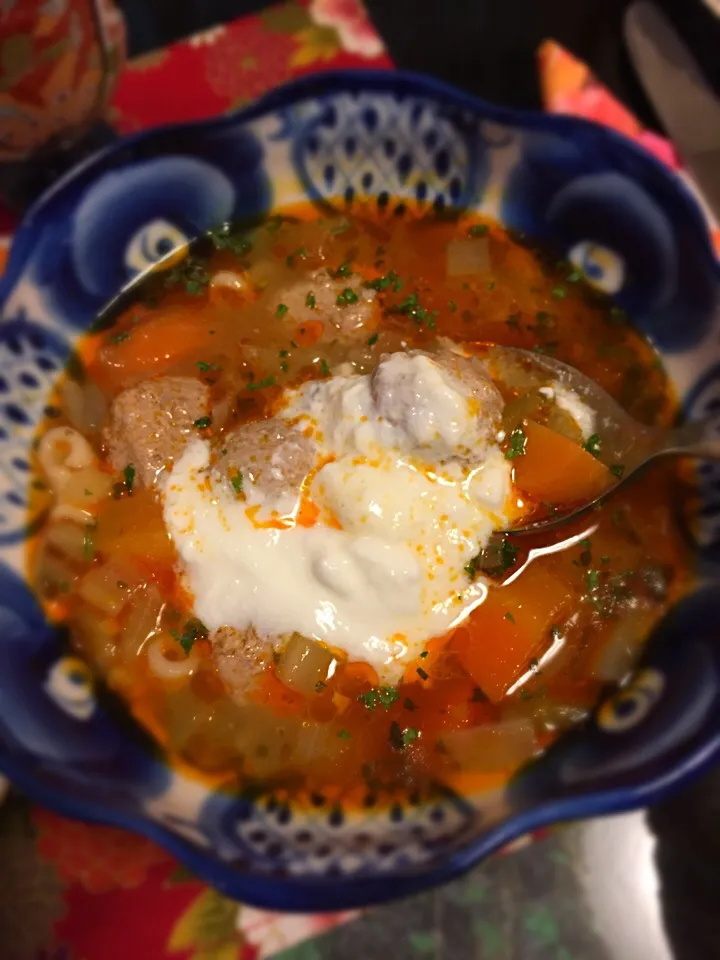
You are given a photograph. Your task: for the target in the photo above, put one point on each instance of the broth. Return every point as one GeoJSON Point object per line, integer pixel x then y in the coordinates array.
{"type": "Point", "coordinates": [250, 314]}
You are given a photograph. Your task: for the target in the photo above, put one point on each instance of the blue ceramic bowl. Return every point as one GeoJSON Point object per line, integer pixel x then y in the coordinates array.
{"type": "Point", "coordinates": [582, 189]}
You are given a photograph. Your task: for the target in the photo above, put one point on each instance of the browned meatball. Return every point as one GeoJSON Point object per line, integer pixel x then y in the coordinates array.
{"type": "Point", "coordinates": [150, 425]}
{"type": "Point", "coordinates": [351, 318]}
{"type": "Point", "coordinates": [269, 454]}
{"type": "Point", "coordinates": [239, 655]}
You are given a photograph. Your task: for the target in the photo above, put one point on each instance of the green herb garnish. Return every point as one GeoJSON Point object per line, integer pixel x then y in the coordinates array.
{"type": "Point", "coordinates": [372, 339]}
{"type": "Point", "coordinates": [194, 630]}
{"type": "Point", "coordinates": [119, 337]}
{"type": "Point", "coordinates": [237, 482]}
{"type": "Point", "coordinates": [379, 697]}
{"type": "Point", "coordinates": [344, 270]}
{"type": "Point", "coordinates": [310, 300]}
{"type": "Point", "coordinates": [453, 306]}
{"type": "Point", "coordinates": [617, 469]}
{"type": "Point", "coordinates": [510, 617]}
{"type": "Point", "coordinates": [222, 238]}
{"type": "Point", "coordinates": [129, 477]}
{"type": "Point", "coordinates": [202, 423]}
{"type": "Point", "coordinates": [324, 368]}
{"type": "Point", "coordinates": [421, 673]}
{"type": "Point", "coordinates": [347, 297]}
{"type": "Point", "coordinates": [281, 310]}
{"type": "Point", "coordinates": [401, 738]}
{"type": "Point", "coordinates": [301, 254]}
{"type": "Point", "coordinates": [593, 445]}
{"type": "Point", "coordinates": [260, 384]}
{"type": "Point", "coordinates": [344, 735]}
{"type": "Point", "coordinates": [478, 230]}
{"type": "Point", "coordinates": [518, 443]}
{"type": "Point", "coordinates": [390, 279]}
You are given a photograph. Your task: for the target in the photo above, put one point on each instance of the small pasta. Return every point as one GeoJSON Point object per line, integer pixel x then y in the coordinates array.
{"type": "Point", "coordinates": [70, 466]}
{"type": "Point", "coordinates": [166, 668]}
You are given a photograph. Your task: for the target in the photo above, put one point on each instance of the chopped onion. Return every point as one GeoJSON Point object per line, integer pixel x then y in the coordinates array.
{"type": "Point", "coordinates": [70, 539]}
{"type": "Point", "coordinates": [84, 404]}
{"type": "Point", "coordinates": [553, 717]}
{"type": "Point", "coordinates": [54, 576]}
{"type": "Point", "coordinates": [618, 654]}
{"type": "Point", "coordinates": [494, 746]}
{"type": "Point", "coordinates": [106, 587]}
{"type": "Point", "coordinates": [303, 664]}
{"type": "Point", "coordinates": [466, 257]}
{"type": "Point", "coordinates": [96, 636]}
{"type": "Point", "coordinates": [142, 620]}
{"type": "Point", "coordinates": [561, 422]}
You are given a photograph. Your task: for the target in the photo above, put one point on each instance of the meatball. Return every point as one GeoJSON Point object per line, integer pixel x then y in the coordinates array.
{"type": "Point", "coordinates": [150, 425]}
{"type": "Point", "coordinates": [443, 403]}
{"type": "Point", "coordinates": [240, 655]}
{"type": "Point", "coordinates": [347, 318]}
{"type": "Point", "coordinates": [273, 458]}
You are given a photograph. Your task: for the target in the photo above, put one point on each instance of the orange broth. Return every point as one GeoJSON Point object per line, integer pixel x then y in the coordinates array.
{"type": "Point", "coordinates": [530, 661]}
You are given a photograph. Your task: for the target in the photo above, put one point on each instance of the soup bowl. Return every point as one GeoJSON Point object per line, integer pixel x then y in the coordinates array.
{"type": "Point", "coordinates": [337, 139]}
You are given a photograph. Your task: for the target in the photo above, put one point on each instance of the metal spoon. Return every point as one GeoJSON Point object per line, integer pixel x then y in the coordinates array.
{"type": "Point", "coordinates": [624, 440]}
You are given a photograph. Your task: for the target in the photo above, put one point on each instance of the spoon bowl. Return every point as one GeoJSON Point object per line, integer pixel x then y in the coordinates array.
{"type": "Point", "coordinates": [625, 442]}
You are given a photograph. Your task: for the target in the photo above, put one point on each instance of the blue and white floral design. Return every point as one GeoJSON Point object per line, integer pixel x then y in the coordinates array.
{"type": "Point", "coordinates": [380, 138]}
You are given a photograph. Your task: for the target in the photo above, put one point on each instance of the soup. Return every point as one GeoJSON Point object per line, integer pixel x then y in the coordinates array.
{"type": "Point", "coordinates": [269, 494]}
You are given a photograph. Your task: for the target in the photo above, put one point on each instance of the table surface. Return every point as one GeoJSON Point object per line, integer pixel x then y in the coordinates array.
{"type": "Point", "coordinates": [634, 887]}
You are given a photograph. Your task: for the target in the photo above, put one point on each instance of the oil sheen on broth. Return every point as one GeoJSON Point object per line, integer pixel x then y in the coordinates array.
{"type": "Point", "coordinates": [269, 488]}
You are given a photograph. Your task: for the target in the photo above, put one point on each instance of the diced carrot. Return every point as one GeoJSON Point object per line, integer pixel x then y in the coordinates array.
{"type": "Point", "coordinates": [424, 669]}
{"type": "Point", "coordinates": [152, 347]}
{"type": "Point", "coordinates": [512, 625]}
{"type": "Point", "coordinates": [308, 333]}
{"type": "Point", "coordinates": [307, 514]}
{"type": "Point", "coordinates": [555, 470]}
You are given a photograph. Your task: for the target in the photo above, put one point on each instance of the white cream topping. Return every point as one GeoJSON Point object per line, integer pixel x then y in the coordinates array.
{"type": "Point", "coordinates": [412, 513]}
{"type": "Point", "coordinates": [571, 403]}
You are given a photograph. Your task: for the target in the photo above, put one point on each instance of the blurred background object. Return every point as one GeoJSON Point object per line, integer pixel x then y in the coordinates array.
{"type": "Point", "coordinates": [59, 61]}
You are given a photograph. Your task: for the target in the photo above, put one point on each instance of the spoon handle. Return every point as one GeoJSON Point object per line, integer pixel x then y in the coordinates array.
{"type": "Point", "coordinates": [699, 439]}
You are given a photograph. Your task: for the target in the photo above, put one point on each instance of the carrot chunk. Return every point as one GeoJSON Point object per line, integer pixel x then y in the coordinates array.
{"type": "Point", "coordinates": [553, 469]}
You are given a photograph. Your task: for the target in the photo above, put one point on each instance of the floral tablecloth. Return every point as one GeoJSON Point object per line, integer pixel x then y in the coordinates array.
{"type": "Point", "coordinates": [72, 891]}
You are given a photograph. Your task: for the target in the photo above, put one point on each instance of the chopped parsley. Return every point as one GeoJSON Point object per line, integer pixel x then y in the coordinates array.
{"type": "Point", "coordinates": [320, 686]}
{"type": "Point", "coordinates": [408, 704]}
{"type": "Point", "coordinates": [284, 366]}
{"type": "Point", "coordinates": [510, 617]}
{"type": "Point", "coordinates": [559, 292]}
{"type": "Point", "coordinates": [401, 738]}
{"type": "Point", "coordinates": [478, 230]}
{"type": "Point", "coordinates": [421, 673]}
{"type": "Point", "coordinates": [202, 423]}
{"type": "Point", "coordinates": [341, 228]}
{"type": "Point", "coordinates": [379, 697]}
{"type": "Point", "coordinates": [412, 309]}
{"type": "Point", "coordinates": [618, 469]}
{"type": "Point", "coordinates": [593, 445]}
{"type": "Point", "coordinates": [491, 285]}
{"type": "Point", "coordinates": [473, 566]}
{"type": "Point", "coordinates": [284, 353]}
{"type": "Point", "coordinates": [129, 477]}
{"type": "Point", "coordinates": [88, 544]}
{"type": "Point", "coordinates": [324, 368]}
{"type": "Point", "coordinates": [390, 279]}
{"type": "Point", "coordinates": [593, 580]}
{"type": "Point", "coordinates": [344, 735]}
{"type": "Point", "coordinates": [194, 630]}
{"type": "Point", "coordinates": [556, 632]}
{"type": "Point", "coordinates": [453, 306]}
{"type": "Point", "coordinates": [237, 482]}
{"type": "Point", "coordinates": [423, 654]}
{"type": "Point", "coordinates": [192, 274]}
{"type": "Point", "coordinates": [344, 270]}
{"type": "Point", "coordinates": [260, 384]}
{"type": "Point", "coordinates": [574, 276]}
{"type": "Point", "coordinates": [310, 300]}
{"type": "Point", "coordinates": [119, 337]}
{"type": "Point", "coordinates": [513, 321]}
{"type": "Point", "coordinates": [347, 297]}
{"type": "Point", "coordinates": [203, 367]}
{"type": "Point", "coordinates": [372, 340]}
{"type": "Point", "coordinates": [518, 442]}
{"type": "Point", "coordinates": [222, 238]}
{"type": "Point", "coordinates": [281, 310]}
